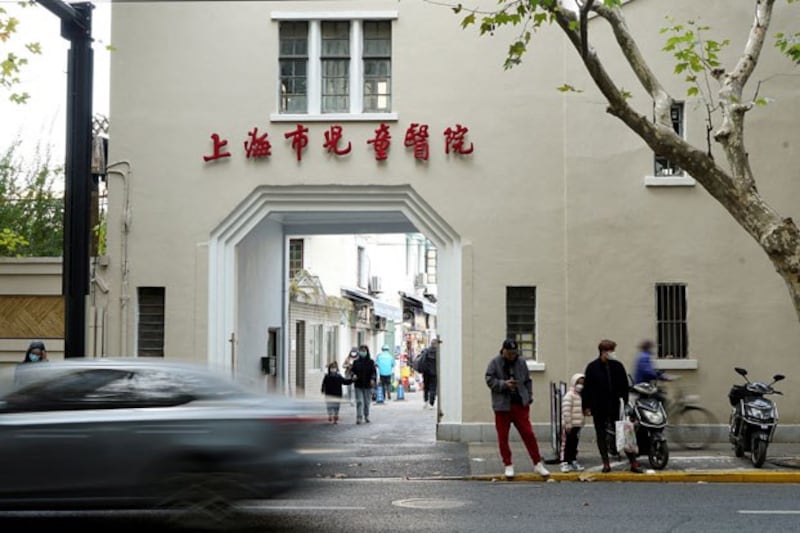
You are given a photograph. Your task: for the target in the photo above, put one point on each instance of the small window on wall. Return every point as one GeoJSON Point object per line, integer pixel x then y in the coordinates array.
{"type": "Point", "coordinates": [150, 333]}
{"type": "Point", "coordinates": [671, 324]}
{"type": "Point", "coordinates": [295, 257]}
{"type": "Point", "coordinates": [663, 166]}
{"type": "Point", "coordinates": [362, 268]}
{"type": "Point", "coordinates": [521, 318]}
{"type": "Point", "coordinates": [316, 346]}
{"type": "Point", "coordinates": [430, 262]}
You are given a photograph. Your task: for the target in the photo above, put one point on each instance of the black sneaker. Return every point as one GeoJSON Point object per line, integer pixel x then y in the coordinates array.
{"type": "Point", "coordinates": [636, 470]}
{"type": "Point", "coordinates": [606, 468]}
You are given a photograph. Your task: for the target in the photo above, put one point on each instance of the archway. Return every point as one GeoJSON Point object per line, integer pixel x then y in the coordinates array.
{"type": "Point", "coordinates": [255, 232]}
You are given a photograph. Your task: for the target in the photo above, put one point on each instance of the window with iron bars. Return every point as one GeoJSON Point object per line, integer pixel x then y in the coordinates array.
{"type": "Point", "coordinates": [671, 323]}
{"type": "Point", "coordinates": [150, 333]}
{"type": "Point", "coordinates": [295, 257]}
{"type": "Point", "coordinates": [521, 319]}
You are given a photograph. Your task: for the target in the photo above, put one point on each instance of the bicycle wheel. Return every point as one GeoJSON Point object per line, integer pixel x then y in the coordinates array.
{"type": "Point", "coordinates": [693, 428]}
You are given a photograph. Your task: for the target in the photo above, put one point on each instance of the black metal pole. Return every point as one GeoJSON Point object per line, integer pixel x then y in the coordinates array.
{"type": "Point", "coordinates": [76, 26]}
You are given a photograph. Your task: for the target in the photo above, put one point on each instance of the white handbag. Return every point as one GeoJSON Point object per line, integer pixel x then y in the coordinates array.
{"type": "Point", "coordinates": [625, 432]}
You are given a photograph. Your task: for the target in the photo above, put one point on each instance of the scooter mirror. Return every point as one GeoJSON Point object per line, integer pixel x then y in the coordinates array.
{"type": "Point", "coordinates": [740, 371]}
{"type": "Point", "coordinates": [778, 377]}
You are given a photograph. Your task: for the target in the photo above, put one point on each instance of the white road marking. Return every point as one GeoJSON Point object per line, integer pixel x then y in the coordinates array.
{"type": "Point", "coordinates": [768, 511]}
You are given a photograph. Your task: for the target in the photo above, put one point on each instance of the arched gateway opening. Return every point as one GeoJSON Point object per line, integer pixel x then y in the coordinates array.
{"type": "Point", "coordinates": [248, 293]}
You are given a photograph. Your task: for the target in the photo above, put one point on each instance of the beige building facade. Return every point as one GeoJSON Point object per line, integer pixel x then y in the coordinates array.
{"type": "Point", "coordinates": [547, 214]}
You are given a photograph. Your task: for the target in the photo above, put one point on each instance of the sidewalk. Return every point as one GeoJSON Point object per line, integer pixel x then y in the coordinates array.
{"type": "Point", "coordinates": [716, 464]}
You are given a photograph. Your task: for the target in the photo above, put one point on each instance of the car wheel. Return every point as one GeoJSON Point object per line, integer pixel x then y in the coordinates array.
{"type": "Point", "coordinates": [203, 500]}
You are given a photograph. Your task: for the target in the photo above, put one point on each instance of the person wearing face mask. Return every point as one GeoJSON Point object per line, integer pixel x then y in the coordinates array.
{"type": "Point", "coordinates": [363, 372]}
{"type": "Point", "coordinates": [36, 353]}
{"type": "Point", "coordinates": [332, 389]}
{"type": "Point", "coordinates": [605, 384]}
{"type": "Point", "coordinates": [572, 422]}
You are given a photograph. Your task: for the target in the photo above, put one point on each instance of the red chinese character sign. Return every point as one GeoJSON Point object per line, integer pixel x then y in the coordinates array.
{"type": "Point", "coordinates": [454, 140]}
{"type": "Point", "coordinates": [299, 138]}
{"type": "Point", "coordinates": [417, 137]}
{"type": "Point", "coordinates": [332, 138]}
{"type": "Point", "coordinates": [258, 146]}
{"type": "Point", "coordinates": [381, 142]}
{"type": "Point", "coordinates": [219, 144]}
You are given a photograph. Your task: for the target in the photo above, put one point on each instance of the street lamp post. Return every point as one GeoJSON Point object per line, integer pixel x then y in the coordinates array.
{"type": "Point", "coordinates": [76, 26]}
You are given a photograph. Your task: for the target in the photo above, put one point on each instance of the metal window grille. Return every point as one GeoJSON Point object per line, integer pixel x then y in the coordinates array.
{"type": "Point", "coordinates": [663, 166]}
{"type": "Point", "coordinates": [150, 334]}
{"type": "Point", "coordinates": [671, 324]}
{"type": "Point", "coordinates": [293, 63]}
{"type": "Point", "coordinates": [521, 318]}
{"type": "Point", "coordinates": [377, 58]}
{"type": "Point", "coordinates": [295, 257]}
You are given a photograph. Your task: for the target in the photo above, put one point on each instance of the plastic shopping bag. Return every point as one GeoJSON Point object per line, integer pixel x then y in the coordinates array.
{"type": "Point", "coordinates": [625, 432]}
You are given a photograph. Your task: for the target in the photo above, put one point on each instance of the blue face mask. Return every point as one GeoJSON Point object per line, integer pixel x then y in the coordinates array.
{"type": "Point", "coordinates": [362, 354]}
{"type": "Point", "coordinates": [34, 357]}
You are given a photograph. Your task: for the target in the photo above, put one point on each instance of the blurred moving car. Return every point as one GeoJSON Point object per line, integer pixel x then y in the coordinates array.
{"type": "Point", "coordinates": [145, 433]}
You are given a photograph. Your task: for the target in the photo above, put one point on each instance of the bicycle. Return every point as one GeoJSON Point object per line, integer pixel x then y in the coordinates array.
{"type": "Point", "coordinates": [689, 424]}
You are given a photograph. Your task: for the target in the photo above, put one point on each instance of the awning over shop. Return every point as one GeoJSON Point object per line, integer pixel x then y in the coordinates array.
{"type": "Point", "coordinates": [380, 308]}
{"type": "Point", "coordinates": [427, 307]}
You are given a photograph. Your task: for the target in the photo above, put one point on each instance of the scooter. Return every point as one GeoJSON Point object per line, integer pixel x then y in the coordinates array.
{"type": "Point", "coordinates": [650, 419]}
{"type": "Point", "coordinates": [753, 417]}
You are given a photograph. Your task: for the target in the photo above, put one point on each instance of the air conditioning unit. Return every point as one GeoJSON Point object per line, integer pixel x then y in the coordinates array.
{"type": "Point", "coordinates": [378, 323]}
{"type": "Point", "coordinates": [375, 285]}
{"type": "Point", "coordinates": [419, 281]}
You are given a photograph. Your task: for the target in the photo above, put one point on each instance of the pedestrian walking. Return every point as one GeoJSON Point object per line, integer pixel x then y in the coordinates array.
{"type": "Point", "coordinates": [512, 394]}
{"type": "Point", "coordinates": [427, 366]}
{"type": "Point", "coordinates": [332, 389]}
{"type": "Point", "coordinates": [572, 422]}
{"type": "Point", "coordinates": [347, 366]}
{"type": "Point", "coordinates": [605, 384]}
{"type": "Point", "coordinates": [363, 371]}
{"type": "Point", "coordinates": [385, 363]}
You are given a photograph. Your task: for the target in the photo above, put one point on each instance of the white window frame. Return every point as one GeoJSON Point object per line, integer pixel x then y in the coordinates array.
{"type": "Point", "coordinates": [677, 180]}
{"type": "Point", "coordinates": [314, 71]}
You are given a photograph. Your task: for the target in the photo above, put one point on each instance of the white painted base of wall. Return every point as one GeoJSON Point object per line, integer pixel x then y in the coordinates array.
{"type": "Point", "coordinates": [484, 432]}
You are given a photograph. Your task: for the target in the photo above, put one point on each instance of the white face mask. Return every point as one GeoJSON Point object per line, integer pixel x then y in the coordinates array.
{"type": "Point", "coordinates": [578, 387]}
{"type": "Point", "coordinates": [612, 355]}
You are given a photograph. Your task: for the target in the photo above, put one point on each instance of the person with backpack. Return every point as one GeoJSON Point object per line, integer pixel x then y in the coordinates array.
{"type": "Point", "coordinates": [427, 367]}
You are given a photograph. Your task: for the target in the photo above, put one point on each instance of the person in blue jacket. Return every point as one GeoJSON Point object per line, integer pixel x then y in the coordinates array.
{"type": "Point", "coordinates": [385, 363]}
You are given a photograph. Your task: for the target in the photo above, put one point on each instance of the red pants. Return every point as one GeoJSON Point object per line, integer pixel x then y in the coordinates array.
{"type": "Point", "coordinates": [520, 417]}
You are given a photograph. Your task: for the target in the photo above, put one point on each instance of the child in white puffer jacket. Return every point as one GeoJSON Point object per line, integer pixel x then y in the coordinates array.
{"type": "Point", "coordinates": [571, 422]}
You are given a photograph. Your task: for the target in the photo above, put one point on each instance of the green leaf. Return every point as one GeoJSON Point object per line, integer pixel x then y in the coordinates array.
{"type": "Point", "coordinates": [468, 20]}
{"type": "Point", "coordinates": [692, 91]}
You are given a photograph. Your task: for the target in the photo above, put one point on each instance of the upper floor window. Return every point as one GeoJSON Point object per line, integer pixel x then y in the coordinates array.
{"type": "Point", "coordinates": [431, 261]}
{"type": "Point", "coordinates": [521, 319]}
{"type": "Point", "coordinates": [663, 166]}
{"type": "Point", "coordinates": [335, 65]}
{"type": "Point", "coordinates": [295, 257]}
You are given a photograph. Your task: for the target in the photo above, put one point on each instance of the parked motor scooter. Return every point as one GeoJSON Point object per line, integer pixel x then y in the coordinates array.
{"type": "Point", "coordinates": [753, 417]}
{"type": "Point", "coordinates": [650, 419]}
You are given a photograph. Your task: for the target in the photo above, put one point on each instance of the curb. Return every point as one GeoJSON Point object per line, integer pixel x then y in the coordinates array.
{"type": "Point", "coordinates": [679, 476]}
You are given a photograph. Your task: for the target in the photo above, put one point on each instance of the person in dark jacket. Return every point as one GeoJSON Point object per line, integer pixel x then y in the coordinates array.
{"type": "Point", "coordinates": [363, 372]}
{"type": "Point", "coordinates": [332, 389]}
{"type": "Point", "coordinates": [36, 353]}
{"type": "Point", "coordinates": [605, 383]}
{"type": "Point", "coordinates": [512, 395]}
{"type": "Point", "coordinates": [427, 366]}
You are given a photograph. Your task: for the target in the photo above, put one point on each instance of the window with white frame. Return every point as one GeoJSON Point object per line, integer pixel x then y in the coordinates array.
{"type": "Point", "coordinates": [671, 323]}
{"type": "Point", "coordinates": [363, 268]}
{"type": "Point", "coordinates": [296, 250]}
{"type": "Point", "coordinates": [663, 166]}
{"type": "Point", "coordinates": [521, 319]}
{"type": "Point", "coordinates": [431, 261]}
{"type": "Point", "coordinates": [335, 64]}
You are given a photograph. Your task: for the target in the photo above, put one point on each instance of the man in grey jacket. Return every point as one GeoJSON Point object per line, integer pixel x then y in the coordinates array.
{"type": "Point", "coordinates": [512, 394]}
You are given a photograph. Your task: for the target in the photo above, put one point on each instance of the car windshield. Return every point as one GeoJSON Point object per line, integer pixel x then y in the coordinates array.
{"type": "Point", "coordinates": [54, 387]}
